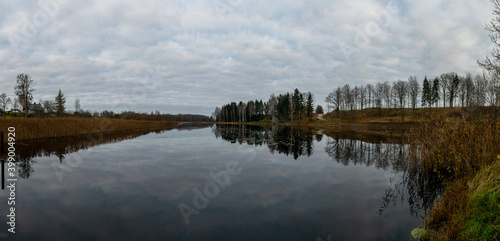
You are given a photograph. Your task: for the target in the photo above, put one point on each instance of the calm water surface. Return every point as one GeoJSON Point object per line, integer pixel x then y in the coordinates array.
{"type": "Point", "coordinates": [215, 183]}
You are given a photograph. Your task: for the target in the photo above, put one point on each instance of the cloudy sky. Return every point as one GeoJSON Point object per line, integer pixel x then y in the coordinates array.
{"type": "Point", "coordinates": [190, 56]}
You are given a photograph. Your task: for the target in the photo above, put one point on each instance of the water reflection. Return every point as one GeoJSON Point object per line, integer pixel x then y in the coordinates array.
{"type": "Point", "coordinates": [419, 189]}
{"type": "Point", "coordinates": [189, 126]}
{"type": "Point", "coordinates": [412, 184]}
{"type": "Point", "coordinates": [132, 190]}
{"type": "Point", "coordinates": [26, 151]}
{"type": "Point", "coordinates": [282, 140]}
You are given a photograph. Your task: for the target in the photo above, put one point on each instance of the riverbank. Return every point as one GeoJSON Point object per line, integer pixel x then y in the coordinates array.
{"type": "Point", "coordinates": [465, 154]}
{"type": "Point", "coordinates": [468, 210]}
{"type": "Point", "coordinates": [460, 146]}
{"type": "Point", "coordinates": [40, 128]}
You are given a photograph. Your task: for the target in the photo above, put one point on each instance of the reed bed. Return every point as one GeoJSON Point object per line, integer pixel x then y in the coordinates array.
{"type": "Point", "coordinates": [465, 153]}
{"type": "Point", "coordinates": [456, 147]}
{"type": "Point", "coordinates": [38, 128]}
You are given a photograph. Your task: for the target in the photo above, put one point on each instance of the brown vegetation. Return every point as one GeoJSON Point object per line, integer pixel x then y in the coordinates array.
{"type": "Point", "coordinates": [469, 209]}
{"type": "Point", "coordinates": [37, 128]}
{"type": "Point", "coordinates": [458, 148]}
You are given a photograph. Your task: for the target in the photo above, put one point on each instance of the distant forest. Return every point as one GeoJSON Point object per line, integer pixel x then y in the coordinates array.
{"type": "Point", "coordinates": [285, 107]}
{"type": "Point", "coordinates": [130, 115]}
{"type": "Point", "coordinates": [446, 90]}
{"type": "Point", "coordinates": [157, 116]}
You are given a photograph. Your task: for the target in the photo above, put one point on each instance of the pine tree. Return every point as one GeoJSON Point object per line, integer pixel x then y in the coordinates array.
{"type": "Point", "coordinates": [426, 93]}
{"type": "Point", "coordinates": [60, 102]}
{"type": "Point", "coordinates": [310, 105]}
{"type": "Point", "coordinates": [435, 91]}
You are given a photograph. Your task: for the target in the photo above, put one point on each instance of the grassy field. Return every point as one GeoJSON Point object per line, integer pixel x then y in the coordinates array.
{"type": "Point", "coordinates": [39, 128]}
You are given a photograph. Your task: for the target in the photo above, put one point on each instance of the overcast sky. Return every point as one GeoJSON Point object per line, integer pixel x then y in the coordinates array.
{"type": "Point", "coordinates": [191, 56]}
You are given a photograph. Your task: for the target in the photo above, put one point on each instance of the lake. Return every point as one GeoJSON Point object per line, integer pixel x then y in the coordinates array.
{"type": "Point", "coordinates": [216, 182]}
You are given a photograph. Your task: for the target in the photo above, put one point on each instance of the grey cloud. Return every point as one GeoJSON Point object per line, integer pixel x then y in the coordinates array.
{"type": "Point", "coordinates": [192, 56]}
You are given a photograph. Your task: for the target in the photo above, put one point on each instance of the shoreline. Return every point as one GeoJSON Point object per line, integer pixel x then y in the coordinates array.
{"type": "Point", "coordinates": [42, 128]}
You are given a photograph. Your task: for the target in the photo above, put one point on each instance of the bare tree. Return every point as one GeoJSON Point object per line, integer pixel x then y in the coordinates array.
{"type": "Point", "coordinates": [386, 94]}
{"type": "Point", "coordinates": [414, 92]}
{"type": "Point", "coordinates": [77, 105]}
{"type": "Point", "coordinates": [355, 97]}
{"type": "Point", "coordinates": [338, 99]}
{"type": "Point", "coordinates": [347, 93]}
{"type": "Point", "coordinates": [271, 105]}
{"type": "Point", "coordinates": [24, 91]}
{"type": "Point", "coordinates": [452, 84]}
{"type": "Point", "coordinates": [16, 103]}
{"type": "Point", "coordinates": [49, 106]}
{"type": "Point", "coordinates": [242, 110]}
{"type": "Point", "coordinates": [329, 100]}
{"type": "Point", "coordinates": [378, 95]}
{"type": "Point", "coordinates": [334, 99]}
{"type": "Point", "coordinates": [369, 89]}
{"type": "Point", "coordinates": [216, 115]}
{"type": "Point", "coordinates": [362, 96]}
{"type": "Point", "coordinates": [480, 86]}
{"type": "Point", "coordinates": [4, 101]}
{"type": "Point", "coordinates": [492, 95]}
{"type": "Point", "coordinates": [462, 90]}
{"type": "Point", "coordinates": [401, 90]}
{"type": "Point", "coordinates": [443, 86]}
{"type": "Point", "coordinates": [469, 89]}
{"type": "Point", "coordinates": [493, 64]}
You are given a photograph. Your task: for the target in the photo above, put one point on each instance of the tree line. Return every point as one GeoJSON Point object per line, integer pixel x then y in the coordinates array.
{"type": "Point", "coordinates": [450, 88]}
{"type": "Point", "coordinates": [284, 107]}
{"type": "Point", "coordinates": [24, 97]}
{"type": "Point", "coordinates": [57, 107]}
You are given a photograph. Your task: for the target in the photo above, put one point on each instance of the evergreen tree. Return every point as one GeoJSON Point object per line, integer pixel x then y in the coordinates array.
{"type": "Point", "coordinates": [319, 109]}
{"type": "Point", "coordinates": [60, 102]}
{"type": "Point", "coordinates": [426, 93]}
{"type": "Point", "coordinates": [310, 105]}
{"type": "Point", "coordinates": [283, 108]}
{"type": "Point", "coordinates": [453, 89]}
{"type": "Point", "coordinates": [435, 91]}
{"type": "Point", "coordinates": [297, 103]}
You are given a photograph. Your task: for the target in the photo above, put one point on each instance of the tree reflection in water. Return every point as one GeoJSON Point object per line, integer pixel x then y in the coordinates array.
{"type": "Point", "coordinates": [419, 189]}
{"type": "Point", "coordinates": [282, 140]}
{"type": "Point", "coordinates": [412, 184]}
{"type": "Point", "coordinates": [27, 150]}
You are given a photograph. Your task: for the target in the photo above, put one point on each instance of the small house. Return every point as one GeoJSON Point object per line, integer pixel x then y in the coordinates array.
{"type": "Point", "coordinates": [35, 108]}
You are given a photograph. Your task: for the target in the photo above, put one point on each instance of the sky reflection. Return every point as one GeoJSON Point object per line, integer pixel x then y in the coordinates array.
{"type": "Point", "coordinates": [130, 190]}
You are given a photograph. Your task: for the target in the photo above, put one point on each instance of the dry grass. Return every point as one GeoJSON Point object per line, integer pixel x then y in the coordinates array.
{"type": "Point", "coordinates": [468, 209]}
{"type": "Point", "coordinates": [36, 128]}
{"type": "Point", "coordinates": [447, 219]}
{"type": "Point", "coordinates": [456, 147]}
{"type": "Point", "coordinates": [465, 153]}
